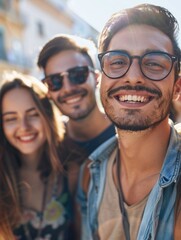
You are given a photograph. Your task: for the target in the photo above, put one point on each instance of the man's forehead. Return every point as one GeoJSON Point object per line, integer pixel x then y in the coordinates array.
{"type": "Point", "coordinates": [65, 60]}
{"type": "Point", "coordinates": [140, 37]}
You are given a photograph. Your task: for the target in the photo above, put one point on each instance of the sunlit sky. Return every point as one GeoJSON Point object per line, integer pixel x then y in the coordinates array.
{"type": "Point", "coordinates": [97, 12]}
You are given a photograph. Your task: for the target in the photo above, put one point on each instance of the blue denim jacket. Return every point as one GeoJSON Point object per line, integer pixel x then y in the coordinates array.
{"type": "Point", "coordinates": [158, 218]}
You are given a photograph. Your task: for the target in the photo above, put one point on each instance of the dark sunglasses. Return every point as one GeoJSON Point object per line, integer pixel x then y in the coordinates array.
{"type": "Point", "coordinates": [76, 75]}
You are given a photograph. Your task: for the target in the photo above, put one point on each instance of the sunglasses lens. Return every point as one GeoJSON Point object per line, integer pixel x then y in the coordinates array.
{"type": "Point", "coordinates": [78, 75]}
{"type": "Point", "coordinates": [54, 82]}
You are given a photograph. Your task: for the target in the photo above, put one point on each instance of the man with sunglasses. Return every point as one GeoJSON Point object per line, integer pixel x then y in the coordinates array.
{"type": "Point", "coordinates": [133, 184]}
{"type": "Point", "coordinates": [69, 65]}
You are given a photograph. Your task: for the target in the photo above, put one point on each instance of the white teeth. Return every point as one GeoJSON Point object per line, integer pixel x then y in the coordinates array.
{"type": "Point", "coordinates": [73, 100]}
{"type": "Point", "coordinates": [133, 98]}
{"type": "Point", "coordinates": [27, 138]}
{"type": "Point", "coordinates": [129, 98]}
{"type": "Point", "coordinates": [142, 99]}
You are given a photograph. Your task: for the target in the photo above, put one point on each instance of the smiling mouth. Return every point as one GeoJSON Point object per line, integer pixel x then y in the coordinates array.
{"type": "Point", "coordinates": [73, 100]}
{"type": "Point", "coordinates": [27, 138]}
{"type": "Point", "coordinates": [133, 98]}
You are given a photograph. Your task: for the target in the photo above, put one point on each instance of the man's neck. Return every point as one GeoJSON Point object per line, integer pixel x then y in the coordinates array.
{"type": "Point", "coordinates": [141, 159]}
{"type": "Point", "coordinates": [144, 150]}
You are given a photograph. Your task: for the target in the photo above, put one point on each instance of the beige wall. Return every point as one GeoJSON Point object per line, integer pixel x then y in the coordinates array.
{"type": "Point", "coordinates": [21, 36]}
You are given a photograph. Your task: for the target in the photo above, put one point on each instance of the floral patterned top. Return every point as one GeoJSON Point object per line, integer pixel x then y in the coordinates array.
{"type": "Point", "coordinates": [57, 219]}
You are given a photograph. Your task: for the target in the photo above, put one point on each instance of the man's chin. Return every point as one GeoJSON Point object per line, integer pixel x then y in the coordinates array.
{"type": "Point", "coordinates": [78, 118]}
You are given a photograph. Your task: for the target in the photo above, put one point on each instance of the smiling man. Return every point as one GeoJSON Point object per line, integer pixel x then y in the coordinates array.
{"type": "Point", "coordinates": [69, 66]}
{"type": "Point", "coordinates": [136, 173]}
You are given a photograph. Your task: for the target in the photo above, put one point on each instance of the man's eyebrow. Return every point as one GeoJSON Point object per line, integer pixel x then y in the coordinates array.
{"type": "Point", "coordinates": [13, 112]}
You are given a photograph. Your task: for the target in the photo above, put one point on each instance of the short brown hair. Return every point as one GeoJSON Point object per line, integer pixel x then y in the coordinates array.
{"type": "Point", "coordinates": [64, 42]}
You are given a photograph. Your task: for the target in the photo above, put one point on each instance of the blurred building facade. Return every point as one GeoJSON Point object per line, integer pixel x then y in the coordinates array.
{"type": "Point", "coordinates": [26, 25]}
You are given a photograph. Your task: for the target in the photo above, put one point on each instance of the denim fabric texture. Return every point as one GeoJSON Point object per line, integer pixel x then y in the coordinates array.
{"type": "Point", "coordinates": [158, 218]}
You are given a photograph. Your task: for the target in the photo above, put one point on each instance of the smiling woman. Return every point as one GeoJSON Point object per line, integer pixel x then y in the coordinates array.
{"type": "Point", "coordinates": [31, 170]}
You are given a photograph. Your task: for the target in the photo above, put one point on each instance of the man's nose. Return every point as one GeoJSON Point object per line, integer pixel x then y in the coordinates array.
{"type": "Point", "coordinates": [67, 85]}
{"type": "Point", "coordinates": [134, 74]}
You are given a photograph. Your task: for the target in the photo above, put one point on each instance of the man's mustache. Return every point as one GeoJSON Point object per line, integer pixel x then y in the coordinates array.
{"type": "Point", "coordinates": [134, 88]}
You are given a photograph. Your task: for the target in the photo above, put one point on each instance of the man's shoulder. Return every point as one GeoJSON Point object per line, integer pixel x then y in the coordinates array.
{"type": "Point", "coordinates": [177, 127]}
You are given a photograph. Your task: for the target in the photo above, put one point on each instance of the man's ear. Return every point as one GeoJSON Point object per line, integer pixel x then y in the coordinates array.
{"type": "Point", "coordinates": [177, 90]}
{"type": "Point", "coordinates": [97, 76]}
{"type": "Point", "coordinates": [48, 95]}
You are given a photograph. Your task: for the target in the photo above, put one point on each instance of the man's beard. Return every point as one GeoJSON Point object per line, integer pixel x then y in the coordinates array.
{"type": "Point", "coordinates": [134, 120]}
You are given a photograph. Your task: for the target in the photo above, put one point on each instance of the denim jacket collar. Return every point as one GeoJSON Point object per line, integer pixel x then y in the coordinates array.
{"type": "Point", "coordinates": [160, 203]}
{"type": "Point", "coordinates": [171, 165]}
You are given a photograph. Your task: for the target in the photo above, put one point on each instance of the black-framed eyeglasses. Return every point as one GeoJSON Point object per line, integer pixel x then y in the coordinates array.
{"type": "Point", "coordinates": [154, 65]}
{"type": "Point", "coordinates": [76, 75]}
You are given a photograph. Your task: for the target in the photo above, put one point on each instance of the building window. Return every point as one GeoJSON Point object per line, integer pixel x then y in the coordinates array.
{"type": "Point", "coordinates": [2, 4]}
{"type": "Point", "coordinates": [40, 29]}
{"type": "Point", "coordinates": [2, 46]}
{"type": "Point", "coordinates": [5, 4]}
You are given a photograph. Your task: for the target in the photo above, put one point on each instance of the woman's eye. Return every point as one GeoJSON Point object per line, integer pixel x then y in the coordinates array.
{"type": "Point", "coordinates": [33, 115]}
{"type": "Point", "coordinates": [10, 119]}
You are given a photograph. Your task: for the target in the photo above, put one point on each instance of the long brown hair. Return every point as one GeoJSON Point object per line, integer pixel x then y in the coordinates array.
{"type": "Point", "coordinates": [8, 204]}
{"type": "Point", "coordinates": [50, 164]}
